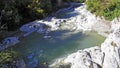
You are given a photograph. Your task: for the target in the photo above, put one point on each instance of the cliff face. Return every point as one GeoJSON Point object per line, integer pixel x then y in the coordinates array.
{"type": "Point", "coordinates": [105, 56]}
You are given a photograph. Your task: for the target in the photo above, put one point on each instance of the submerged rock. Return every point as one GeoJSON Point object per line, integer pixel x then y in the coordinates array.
{"type": "Point", "coordinates": [7, 42]}
{"type": "Point", "coordinates": [34, 26]}
{"type": "Point", "coordinates": [20, 64]}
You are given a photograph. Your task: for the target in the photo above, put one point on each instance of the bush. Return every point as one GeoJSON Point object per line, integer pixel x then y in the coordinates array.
{"type": "Point", "coordinates": [39, 8]}
{"type": "Point", "coordinates": [107, 8]}
{"type": "Point", "coordinates": [7, 58]}
{"type": "Point", "coordinates": [14, 13]}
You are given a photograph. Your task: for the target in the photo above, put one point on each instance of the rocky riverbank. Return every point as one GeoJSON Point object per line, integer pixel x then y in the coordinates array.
{"type": "Point", "coordinates": [105, 56]}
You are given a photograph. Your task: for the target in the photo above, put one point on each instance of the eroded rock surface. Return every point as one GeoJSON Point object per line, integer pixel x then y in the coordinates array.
{"type": "Point", "coordinates": [105, 56]}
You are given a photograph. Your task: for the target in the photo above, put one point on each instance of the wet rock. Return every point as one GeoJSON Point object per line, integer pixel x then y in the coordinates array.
{"type": "Point", "coordinates": [34, 26]}
{"type": "Point", "coordinates": [31, 56]}
{"type": "Point", "coordinates": [20, 64]}
{"type": "Point", "coordinates": [46, 37]}
{"type": "Point", "coordinates": [43, 65]}
{"type": "Point", "coordinates": [7, 42]}
{"type": "Point", "coordinates": [65, 66]}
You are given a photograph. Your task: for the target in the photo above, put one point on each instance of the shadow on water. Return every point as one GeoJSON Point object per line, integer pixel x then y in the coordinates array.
{"type": "Point", "coordinates": [68, 12]}
{"type": "Point", "coordinates": [65, 13]}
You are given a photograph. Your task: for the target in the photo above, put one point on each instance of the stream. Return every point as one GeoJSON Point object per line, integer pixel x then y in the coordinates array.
{"type": "Point", "coordinates": [35, 49]}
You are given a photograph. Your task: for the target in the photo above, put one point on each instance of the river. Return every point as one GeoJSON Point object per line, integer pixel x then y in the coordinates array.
{"type": "Point", "coordinates": [35, 49]}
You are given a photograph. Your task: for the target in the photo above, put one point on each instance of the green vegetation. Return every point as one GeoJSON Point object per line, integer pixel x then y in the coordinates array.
{"type": "Point", "coordinates": [106, 8]}
{"type": "Point", "coordinates": [14, 13]}
{"type": "Point", "coordinates": [81, 1]}
{"type": "Point", "coordinates": [7, 58]}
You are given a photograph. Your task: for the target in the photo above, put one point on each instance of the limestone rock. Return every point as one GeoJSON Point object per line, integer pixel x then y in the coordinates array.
{"type": "Point", "coordinates": [105, 56]}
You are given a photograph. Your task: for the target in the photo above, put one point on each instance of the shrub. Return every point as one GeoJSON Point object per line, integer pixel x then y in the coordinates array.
{"type": "Point", "coordinates": [8, 59]}
{"type": "Point", "coordinates": [7, 56]}
{"type": "Point", "coordinates": [14, 13]}
{"type": "Point", "coordinates": [107, 8]}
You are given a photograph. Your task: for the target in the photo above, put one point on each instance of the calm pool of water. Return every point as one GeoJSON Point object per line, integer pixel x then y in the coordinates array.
{"type": "Point", "coordinates": [35, 49]}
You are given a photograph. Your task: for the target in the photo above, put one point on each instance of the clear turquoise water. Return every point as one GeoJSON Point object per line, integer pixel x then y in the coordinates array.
{"type": "Point", "coordinates": [35, 49]}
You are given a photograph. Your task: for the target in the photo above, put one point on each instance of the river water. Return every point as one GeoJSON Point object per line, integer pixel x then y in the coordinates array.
{"type": "Point", "coordinates": [35, 49]}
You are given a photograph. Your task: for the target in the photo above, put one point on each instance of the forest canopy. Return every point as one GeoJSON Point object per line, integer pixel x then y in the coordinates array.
{"type": "Point", "coordinates": [17, 12]}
